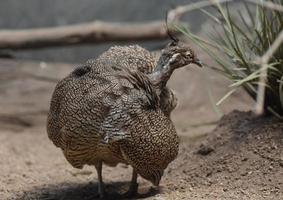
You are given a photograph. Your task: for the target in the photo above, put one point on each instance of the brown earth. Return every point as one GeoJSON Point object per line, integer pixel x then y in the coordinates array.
{"type": "Point", "coordinates": [239, 159]}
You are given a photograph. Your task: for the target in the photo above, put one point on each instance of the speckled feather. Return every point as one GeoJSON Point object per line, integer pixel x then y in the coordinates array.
{"type": "Point", "coordinates": [108, 110]}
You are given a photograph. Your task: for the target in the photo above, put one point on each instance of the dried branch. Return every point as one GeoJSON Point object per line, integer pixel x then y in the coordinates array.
{"type": "Point", "coordinates": [259, 107]}
{"type": "Point", "coordinates": [267, 4]}
{"type": "Point", "coordinates": [175, 14]}
{"type": "Point", "coordinates": [95, 32]}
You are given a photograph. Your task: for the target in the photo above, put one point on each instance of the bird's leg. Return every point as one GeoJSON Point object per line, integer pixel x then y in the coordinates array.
{"type": "Point", "coordinates": [98, 167]}
{"type": "Point", "coordinates": [134, 184]}
{"type": "Point", "coordinates": [133, 190]}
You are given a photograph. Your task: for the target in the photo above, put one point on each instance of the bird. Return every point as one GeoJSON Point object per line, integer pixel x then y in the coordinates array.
{"type": "Point", "coordinates": [116, 109]}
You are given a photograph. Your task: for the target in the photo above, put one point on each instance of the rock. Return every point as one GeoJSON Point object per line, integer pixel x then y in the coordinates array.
{"type": "Point", "coordinates": [204, 150]}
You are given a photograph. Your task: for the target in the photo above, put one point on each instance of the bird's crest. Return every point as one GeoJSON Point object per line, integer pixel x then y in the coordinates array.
{"type": "Point", "coordinates": [171, 35]}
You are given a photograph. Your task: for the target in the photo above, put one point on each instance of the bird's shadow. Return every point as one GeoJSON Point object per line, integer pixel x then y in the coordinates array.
{"type": "Point", "coordinates": [88, 191]}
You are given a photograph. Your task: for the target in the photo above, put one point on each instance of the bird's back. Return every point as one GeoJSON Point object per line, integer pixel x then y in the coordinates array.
{"type": "Point", "coordinates": [96, 101]}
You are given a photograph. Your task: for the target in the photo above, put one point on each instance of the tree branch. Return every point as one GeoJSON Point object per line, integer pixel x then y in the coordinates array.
{"type": "Point", "coordinates": [175, 14]}
{"type": "Point", "coordinates": [100, 32]}
{"type": "Point", "coordinates": [94, 32]}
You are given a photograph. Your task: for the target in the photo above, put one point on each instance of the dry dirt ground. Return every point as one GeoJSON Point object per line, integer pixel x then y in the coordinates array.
{"type": "Point", "coordinates": [239, 157]}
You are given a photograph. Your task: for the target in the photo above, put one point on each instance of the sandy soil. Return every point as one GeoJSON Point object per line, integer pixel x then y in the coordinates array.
{"type": "Point", "coordinates": [239, 159]}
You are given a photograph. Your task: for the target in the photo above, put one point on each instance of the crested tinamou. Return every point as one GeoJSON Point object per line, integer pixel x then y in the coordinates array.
{"type": "Point", "coordinates": [116, 109]}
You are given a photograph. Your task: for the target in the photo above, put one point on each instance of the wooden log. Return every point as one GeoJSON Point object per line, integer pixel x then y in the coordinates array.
{"type": "Point", "coordinates": [94, 32]}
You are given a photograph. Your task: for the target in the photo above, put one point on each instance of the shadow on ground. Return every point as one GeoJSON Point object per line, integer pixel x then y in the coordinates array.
{"type": "Point", "coordinates": [74, 191]}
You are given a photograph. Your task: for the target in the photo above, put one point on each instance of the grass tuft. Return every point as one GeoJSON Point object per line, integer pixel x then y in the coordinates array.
{"type": "Point", "coordinates": [237, 40]}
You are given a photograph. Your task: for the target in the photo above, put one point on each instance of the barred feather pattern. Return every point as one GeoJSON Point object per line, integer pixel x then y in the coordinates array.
{"type": "Point", "coordinates": [107, 110]}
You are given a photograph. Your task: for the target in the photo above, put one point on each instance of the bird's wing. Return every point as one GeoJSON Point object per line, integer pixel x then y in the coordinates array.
{"type": "Point", "coordinates": [101, 99]}
{"type": "Point", "coordinates": [136, 96]}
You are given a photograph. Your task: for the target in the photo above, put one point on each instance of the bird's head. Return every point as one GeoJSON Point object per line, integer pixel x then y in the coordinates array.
{"type": "Point", "coordinates": [178, 55]}
{"type": "Point", "coordinates": [174, 56]}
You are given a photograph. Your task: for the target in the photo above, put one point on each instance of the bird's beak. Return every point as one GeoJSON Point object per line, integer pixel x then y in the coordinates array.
{"type": "Point", "coordinates": [197, 62]}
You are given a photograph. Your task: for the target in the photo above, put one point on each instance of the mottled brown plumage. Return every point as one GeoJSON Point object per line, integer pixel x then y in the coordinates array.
{"type": "Point", "coordinates": [116, 109]}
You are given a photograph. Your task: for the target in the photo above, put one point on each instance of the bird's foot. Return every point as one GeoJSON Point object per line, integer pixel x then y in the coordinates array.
{"type": "Point", "coordinates": [133, 190]}
{"type": "Point", "coordinates": [101, 191]}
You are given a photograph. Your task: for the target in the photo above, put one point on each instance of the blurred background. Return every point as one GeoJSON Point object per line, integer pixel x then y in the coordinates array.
{"type": "Point", "coordinates": [28, 78]}
{"type": "Point", "coordinates": [15, 14]}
